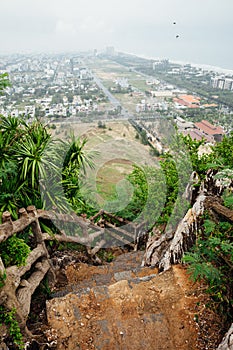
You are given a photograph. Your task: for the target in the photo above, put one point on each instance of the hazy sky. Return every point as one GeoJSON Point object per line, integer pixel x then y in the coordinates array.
{"type": "Point", "coordinates": [205, 27]}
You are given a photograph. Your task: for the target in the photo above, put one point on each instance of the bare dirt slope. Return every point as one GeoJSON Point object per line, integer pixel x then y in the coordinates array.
{"type": "Point", "coordinates": [122, 306]}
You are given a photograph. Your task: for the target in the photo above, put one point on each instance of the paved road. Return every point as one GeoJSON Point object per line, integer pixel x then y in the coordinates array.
{"type": "Point", "coordinates": [111, 98]}
{"type": "Point", "coordinates": [116, 103]}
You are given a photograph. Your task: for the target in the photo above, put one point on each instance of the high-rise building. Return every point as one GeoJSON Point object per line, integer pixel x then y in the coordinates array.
{"type": "Point", "coordinates": [222, 83]}
{"type": "Point", "coordinates": [214, 82]}
{"type": "Point", "coordinates": [228, 84]}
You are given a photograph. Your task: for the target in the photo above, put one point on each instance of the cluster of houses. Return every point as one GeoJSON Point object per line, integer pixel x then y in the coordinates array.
{"type": "Point", "coordinates": [190, 101]}
{"type": "Point", "coordinates": [201, 130]}
{"type": "Point", "coordinates": [53, 86]}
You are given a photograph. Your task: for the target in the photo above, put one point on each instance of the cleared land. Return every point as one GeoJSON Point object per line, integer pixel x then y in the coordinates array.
{"type": "Point", "coordinates": [95, 135]}
{"type": "Point", "coordinates": [110, 175]}
{"type": "Point", "coordinates": [109, 71]}
{"type": "Point", "coordinates": [117, 150]}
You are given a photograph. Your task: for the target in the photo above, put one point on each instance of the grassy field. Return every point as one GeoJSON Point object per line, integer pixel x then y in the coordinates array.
{"type": "Point", "coordinates": [129, 102]}
{"type": "Point", "coordinates": [117, 151]}
{"type": "Point", "coordinates": [110, 175]}
{"type": "Point", "coordinates": [108, 70]}
{"type": "Point", "coordinates": [139, 83]}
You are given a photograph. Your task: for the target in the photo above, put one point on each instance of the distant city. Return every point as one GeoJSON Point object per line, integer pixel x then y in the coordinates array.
{"type": "Point", "coordinates": [89, 86]}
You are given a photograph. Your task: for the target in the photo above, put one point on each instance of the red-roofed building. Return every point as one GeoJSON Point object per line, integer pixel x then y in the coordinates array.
{"type": "Point", "coordinates": [190, 99]}
{"type": "Point", "coordinates": [198, 135]}
{"type": "Point", "coordinates": [187, 101]}
{"type": "Point", "coordinates": [216, 132]}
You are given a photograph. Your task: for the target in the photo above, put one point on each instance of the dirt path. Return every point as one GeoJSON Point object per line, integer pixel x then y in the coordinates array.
{"type": "Point", "coordinates": [122, 306]}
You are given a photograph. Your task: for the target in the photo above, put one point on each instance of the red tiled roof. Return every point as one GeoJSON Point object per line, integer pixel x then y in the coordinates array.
{"type": "Point", "coordinates": [185, 103]}
{"type": "Point", "coordinates": [208, 128]}
{"type": "Point", "coordinates": [190, 99]}
{"type": "Point", "coordinates": [198, 135]}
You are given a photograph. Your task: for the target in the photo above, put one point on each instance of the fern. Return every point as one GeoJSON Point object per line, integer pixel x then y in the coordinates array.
{"type": "Point", "coordinates": [212, 261]}
{"type": "Point", "coordinates": [209, 226]}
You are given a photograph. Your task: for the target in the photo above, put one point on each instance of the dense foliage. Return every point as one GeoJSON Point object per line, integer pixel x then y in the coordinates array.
{"type": "Point", "coordinates": [149, 195]}
{"type": "Point", "coordinates": [14, 251]}
{"type": "Point", "coordinates": [223, 152]}
{"type": "Point", "coordinates": [8, 318]}
{"type": "Point", "coordinates": [37, 169]}
{"type": "Point", "coordinates": [211, 258]}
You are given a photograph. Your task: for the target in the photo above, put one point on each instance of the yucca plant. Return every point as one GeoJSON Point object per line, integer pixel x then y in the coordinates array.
{"type": "Point", "coordinates": [30, 151]}
{"type": "Point", "coordinates": [36, 169]}
{"type": "Point", "coordinates": [76, 157]}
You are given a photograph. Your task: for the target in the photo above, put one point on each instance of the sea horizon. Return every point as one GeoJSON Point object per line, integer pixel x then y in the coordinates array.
{"type": "Point", "coordinates": [204, 66]}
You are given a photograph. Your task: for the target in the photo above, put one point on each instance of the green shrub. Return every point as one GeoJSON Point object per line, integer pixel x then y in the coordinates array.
{"type": "Point", "coordinates": [228, 199]}
{"type": "Point", "coordinates": [211, 260]}
{"type": "Point", "coordinates": [8, 318]}
{"type": "Point", "coordinates": [14, 251]}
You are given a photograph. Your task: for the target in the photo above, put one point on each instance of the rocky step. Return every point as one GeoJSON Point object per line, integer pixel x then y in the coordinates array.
{"type": "Point", "coordinates": [150, 312]}
{"type": "Point", "coordinates": [82, 276]}
{"type": "Point", "coordinates": [103, 280]}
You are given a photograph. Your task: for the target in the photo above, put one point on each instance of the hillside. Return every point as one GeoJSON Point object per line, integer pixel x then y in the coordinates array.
{"type": "Point", "coordinates": [100, 233]}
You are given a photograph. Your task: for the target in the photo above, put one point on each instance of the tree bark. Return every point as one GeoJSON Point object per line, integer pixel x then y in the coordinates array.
{"type": "Point", "coordinates": [214, 203]}
{"type": "Point", "coordinates": [74, 239]}
{"type": "Point", "coordinates": [227, 342]}
{"type": "Point", "coordinates": [27, 287]}
{"type": "Point", "coordinates": [165, 250]}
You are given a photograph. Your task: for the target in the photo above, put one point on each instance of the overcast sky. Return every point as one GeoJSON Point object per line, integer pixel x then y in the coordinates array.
{"type": "Point", "coordinates": [145, 27]}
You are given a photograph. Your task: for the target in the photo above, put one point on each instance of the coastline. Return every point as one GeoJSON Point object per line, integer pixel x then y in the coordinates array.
{"type": "Point", "coordinates": [207, 67]}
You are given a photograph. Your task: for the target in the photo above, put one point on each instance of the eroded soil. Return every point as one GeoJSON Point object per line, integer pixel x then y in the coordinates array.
{"type": "Point", "coordinates": [122, 306]}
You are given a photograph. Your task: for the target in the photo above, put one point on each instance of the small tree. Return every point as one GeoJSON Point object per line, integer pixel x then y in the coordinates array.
{"type": "Point", "coordinates": [4, 81]}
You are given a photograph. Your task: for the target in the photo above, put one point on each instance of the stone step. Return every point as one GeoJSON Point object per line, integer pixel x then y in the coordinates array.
{"type": "Point", "coordinates": [133, 276]}
{"type": "Point", "coordinates": [124, 267]}
{"type": "Point", "coordinates": [149, 312]}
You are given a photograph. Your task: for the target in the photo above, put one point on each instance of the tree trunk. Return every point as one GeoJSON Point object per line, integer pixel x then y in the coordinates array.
{"type": "Point", "coordinates": [164, 250]}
